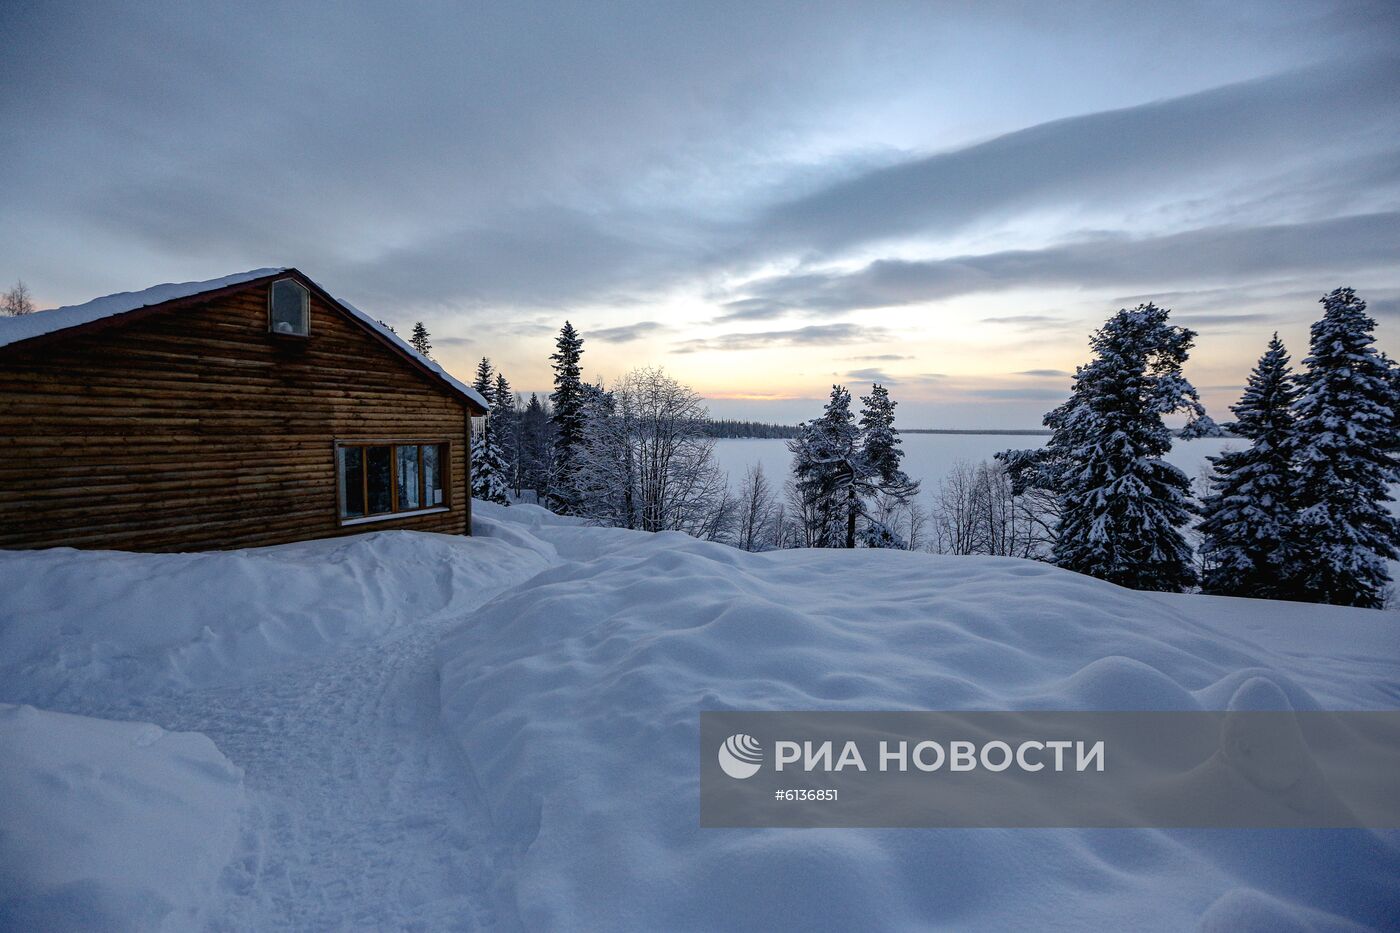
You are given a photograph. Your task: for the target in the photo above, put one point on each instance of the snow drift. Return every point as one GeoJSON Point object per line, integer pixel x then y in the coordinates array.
{"type": "Point", "coordinates": [548, 777]}
{"type": "Point", "coordinates": [79, 627]}
{"type": "Point", "coordinates": [113, 826]}
{"type": "Point", "coordinates": [300, 661]}
{"type": "Point", "coordinates": [576, 698]}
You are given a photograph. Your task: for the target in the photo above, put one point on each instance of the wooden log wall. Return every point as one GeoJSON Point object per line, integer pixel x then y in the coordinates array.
{"type": "Point", "coordinates": [196, 429]}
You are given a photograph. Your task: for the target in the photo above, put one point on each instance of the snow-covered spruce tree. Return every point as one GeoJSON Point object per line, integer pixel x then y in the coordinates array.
{"type": "Point", "coordinates": [1203, 426]}
{"type": "Point", "coordinates": [840, 466]}
{"type": "Point", "coordinates": [420, 340]}
{"type": "Point", "coordinates": [828, 467]}
{"type": "Point", "coordinates": [1344, 467]}
{"type": "Point", "coordinates": [1247, 527]}
{"type": "Point", "coordinates": [488, 461]}
{"type": "Point", "coordinates": [489, 469]}
{"type": "Point", "coordinates": [1121, 506]}
{"type": "Point", "coordinates": [880, 449]}
{"type": "Point", "coordinates": [506, 423]}
{"type": "Point", "coordinates": [567, 400]}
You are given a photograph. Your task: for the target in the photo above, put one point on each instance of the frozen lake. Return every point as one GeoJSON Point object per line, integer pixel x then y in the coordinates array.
{"type": "Point", "coordinates": [930, 457]}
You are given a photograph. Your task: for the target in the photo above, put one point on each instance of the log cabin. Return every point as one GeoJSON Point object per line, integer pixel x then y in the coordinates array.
{"type": "Point", "coordinates": [250, 410]}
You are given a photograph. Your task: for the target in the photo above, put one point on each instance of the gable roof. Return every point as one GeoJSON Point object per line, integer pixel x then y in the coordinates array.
{"type": "Point", "coordinates": [110, 308]}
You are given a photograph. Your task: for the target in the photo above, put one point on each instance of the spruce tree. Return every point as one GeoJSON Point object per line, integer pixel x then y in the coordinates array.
{"type": "Point", "coordinates": [1345, 463]}
{"type": "Point", "coordinates": [420, 340]}
{"type": "Point", "coordinates": [488, 461]}
{"type": "Point", "coordinates": [880, 443]}
{"type": "Point", "coordinates": [828, 465]}
{"type": "Point", "coordinates": [489, 469]}
{"type": "Point", "coordinates": [1248, 524]}
{"type": "Point", "coordinates": [536, 447]}
{"type": "Point", "coordinates": [507, 427]}
{"type": "Point", "coordinates": [484, 383]}
{"type": "Point", "coordinates": [567, 400]}
{"type": "Point", "coordinates": [880, 448]}
{"type": "Point", "coordinates": [839, 464]}
{"type": "Point", "coordinates": [1122, 507]}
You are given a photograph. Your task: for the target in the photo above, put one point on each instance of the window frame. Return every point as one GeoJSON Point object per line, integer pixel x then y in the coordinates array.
{"type": "Point", "coordinates": [305, 310]}
{"type": "Point", "coordinates": [444, 469]}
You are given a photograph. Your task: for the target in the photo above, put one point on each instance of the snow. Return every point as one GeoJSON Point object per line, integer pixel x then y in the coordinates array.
{"type": "Point", "coordinates": [576, 698]}
{"type": "Point", "coordinates": [97, 626]}
{"type": "Point", "coordinates": [500, 732]}
{"type": "Point", "coordinates": [110, 825]}
{"type": "Point", "coordinates": [23, 327]}
{"type": "Point", "coordinates": [311, 667]}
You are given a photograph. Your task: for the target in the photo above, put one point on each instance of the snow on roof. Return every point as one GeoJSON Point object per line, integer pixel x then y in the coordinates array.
{"type": "Point", "coordinates": [26, 326]}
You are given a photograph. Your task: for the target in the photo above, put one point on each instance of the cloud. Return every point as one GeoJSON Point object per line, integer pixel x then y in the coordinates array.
{"type": "Point", "coordinates": [1022, 394]}
{"type": "Point", "coordinates": [1221, 320]}
{"type": "Point", "coordinates": [1042, 373]}
{"type": "Point", "coordinates": [813, 335]}
{"type": "Point", "coordinates": [872, 375]}
{"type": "Point", "coordinates": [1304, 118]}
{"type": "Point", "coordinates": [1383, 304]}
{"type": "Point", "coordinates": [1023, 319]}
{"type": "Point", "coordinates": [884, 378]}
{"type": "Point", "coordinates": [626, 333]}
{"type": "Point", "coordinates": [493, 169]}
{"type": "Point", "coordinates": [1206, 255]}
{"type": "Point", "coordinates": [881, 358]}
{"type": "Point", "coordinates": [752, 309]}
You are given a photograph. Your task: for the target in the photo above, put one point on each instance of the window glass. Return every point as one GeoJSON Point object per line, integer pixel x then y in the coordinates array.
{"type": "Point", "coordinates": [384, 479]}
{"type": "Point", "coordinates": [432, 473]}
{"type": "Point", "coordinates": [379, 479]}
{"type": "Point", "coordinates": [408, 477]}
{"type": "Point", "coordinates": [352, 482]}
{"type": "Point", "coordinates": [288, 313]}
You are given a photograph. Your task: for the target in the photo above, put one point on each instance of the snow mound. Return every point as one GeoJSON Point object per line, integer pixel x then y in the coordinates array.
{"type": "Point", "coordinates": [80, 627]}
{"type": "Point", "coordinates": [110, 825]}
{"type": "Point", "coordinates": [576, 699]}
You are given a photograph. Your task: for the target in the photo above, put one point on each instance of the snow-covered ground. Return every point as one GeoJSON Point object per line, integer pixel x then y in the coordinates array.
{"type": "Point", "coordinates": [418, 731]}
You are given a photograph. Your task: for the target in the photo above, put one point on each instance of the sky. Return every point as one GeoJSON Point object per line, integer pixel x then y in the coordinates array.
{"type": "Point", "coordinates": [762, 198]}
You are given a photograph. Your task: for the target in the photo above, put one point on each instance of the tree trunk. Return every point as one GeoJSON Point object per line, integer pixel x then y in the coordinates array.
{"type": "Point", "coordinates": [851, 502]}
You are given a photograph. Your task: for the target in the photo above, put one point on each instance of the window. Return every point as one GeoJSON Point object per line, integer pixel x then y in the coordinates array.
{"type": "Point", "coordinates": [287, 309]}
{"type": "Point", "coordinates": [389, 479]}
{"type": "Point", "coordinates": [433, 455]}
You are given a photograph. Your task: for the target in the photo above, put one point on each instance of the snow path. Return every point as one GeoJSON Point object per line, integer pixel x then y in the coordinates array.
{"type": "Point", "coordinates": [363, 813]}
